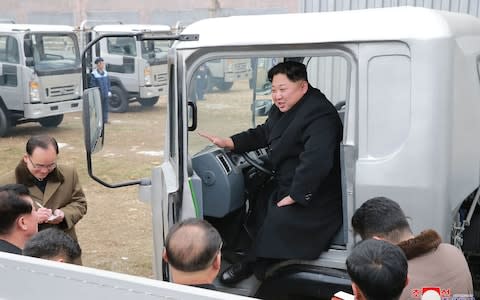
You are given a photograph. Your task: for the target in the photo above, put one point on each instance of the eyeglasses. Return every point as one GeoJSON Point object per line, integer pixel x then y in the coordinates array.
{"type": "Point", "coordinates": [39, 166]}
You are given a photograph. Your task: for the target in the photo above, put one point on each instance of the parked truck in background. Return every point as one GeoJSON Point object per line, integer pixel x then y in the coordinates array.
{"type": "Point", "coordinates": [40, 74]}
{"type": "Point", "coordinates": [222, 73]}
{"type": "Point", "coordinates": [137, 70]}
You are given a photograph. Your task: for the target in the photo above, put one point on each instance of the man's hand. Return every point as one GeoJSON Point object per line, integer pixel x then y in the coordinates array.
{"type": "Point", "coordinates": [218, 141]}
{"type": "Point", "coordinates": [285, 201]}
{"type": "Point", "coordinates": [43, 214]}
{"type": "Point", "coordinates": [57, 217]}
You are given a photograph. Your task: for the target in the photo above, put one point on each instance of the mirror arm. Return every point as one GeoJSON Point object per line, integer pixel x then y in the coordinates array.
{"type": "Point", "coordinates": [143, 181]}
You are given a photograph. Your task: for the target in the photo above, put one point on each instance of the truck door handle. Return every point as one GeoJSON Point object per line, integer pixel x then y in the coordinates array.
{"type": "Point", "coordinates": [193, 111]}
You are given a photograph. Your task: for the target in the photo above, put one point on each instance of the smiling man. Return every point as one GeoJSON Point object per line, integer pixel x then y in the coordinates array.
{"type": "Point", "coordinates": [302, 209]}
{"type": "Point", "coordinates": [55, 189]}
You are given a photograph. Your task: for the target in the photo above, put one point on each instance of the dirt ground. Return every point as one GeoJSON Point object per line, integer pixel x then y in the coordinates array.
{"type": "Point", "coordinates": [116, 232]}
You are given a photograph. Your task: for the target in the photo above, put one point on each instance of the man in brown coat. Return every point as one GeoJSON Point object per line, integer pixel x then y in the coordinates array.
{"type": "Point", "coordinates": [431, 263]}
{"type": "Point", "coordinates": [55, 189]}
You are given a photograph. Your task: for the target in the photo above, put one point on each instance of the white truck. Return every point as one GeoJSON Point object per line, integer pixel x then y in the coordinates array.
{"type": "Point", "coordinates": [40, 74]}
{"type": "Point", "coordinates": [411, 119]}
{"type": "Point", "coordinates": [407, 93]}
{"type": "Point", "coordinates": [137, 70]}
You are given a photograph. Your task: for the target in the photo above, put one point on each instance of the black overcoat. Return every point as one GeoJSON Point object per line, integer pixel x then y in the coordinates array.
{"type": "Point", "coordinates": [304, 151]}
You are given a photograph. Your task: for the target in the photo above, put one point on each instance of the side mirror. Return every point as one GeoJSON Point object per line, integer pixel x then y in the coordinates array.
{"type": "Point", "coordinates": [92, 120]}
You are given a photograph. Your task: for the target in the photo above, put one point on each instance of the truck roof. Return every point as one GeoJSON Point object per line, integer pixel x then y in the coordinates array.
{"type": "Point", "coordinates": [395, 23]}
{"type": "Point", "coordinates": [34, 27]}
{"type": "Point", "coordinates": [131, 28]}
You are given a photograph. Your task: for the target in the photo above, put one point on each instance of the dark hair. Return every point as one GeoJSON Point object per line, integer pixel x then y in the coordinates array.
{"type": "Point", "coordinates": [17, 188]}
{"type": "Point", "coordinates": [42, 141]}
{"type": "Point", "coordinates": [52, 242]}
{"type": "Point", "coordinates": [11, 207]}
{"type": "Point", "coordinates": [379, 269]}
{"type": "Point", "coordinates": [380, 216]}
{"type": "Point", "coordinates": [192, 245]}
{"type": "Point", "coordinates": [98, 59]}
{"type": "Point", "coordinates": [295, 71]}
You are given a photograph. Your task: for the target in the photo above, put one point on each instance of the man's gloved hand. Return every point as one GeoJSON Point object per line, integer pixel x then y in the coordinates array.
{"type": "Point", "coordinates": [109, 94]}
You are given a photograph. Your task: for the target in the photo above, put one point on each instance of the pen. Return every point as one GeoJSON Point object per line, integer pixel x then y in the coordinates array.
{"type": "Point", "coordinates": [52, 217]}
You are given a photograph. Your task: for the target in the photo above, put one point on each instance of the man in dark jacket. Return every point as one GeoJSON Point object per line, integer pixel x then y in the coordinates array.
{"type": "Point", "coordinates": [99, 78]}
{"type": "Point", "coordinates": [302, 134]}
{"type": "Point", "coordinates": [18, 218]}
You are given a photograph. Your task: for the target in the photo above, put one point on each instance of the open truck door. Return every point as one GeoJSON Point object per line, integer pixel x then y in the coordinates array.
{"type": "Point", "coordinates": [162, 193]}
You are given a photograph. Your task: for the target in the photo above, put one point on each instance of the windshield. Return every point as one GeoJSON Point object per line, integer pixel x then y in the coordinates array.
{"type": "Point", "coordinates": [234, 94]}
{"type": "Point", "coordinates": [155, 52]}
{"type": "Point", "coordinates": [54, 51]}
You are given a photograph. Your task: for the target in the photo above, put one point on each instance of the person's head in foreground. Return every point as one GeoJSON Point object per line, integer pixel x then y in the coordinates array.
{"type": "Point", "coordinates": [192, 249]}
{"type": "Point", "coordinates": [53, 244]}
{"type": "Point", "coordinates": [382, 218]}
{"type": "Point", "coordinates": [378, 270]}
{"type": "Point", "coordinates": [18, 218]}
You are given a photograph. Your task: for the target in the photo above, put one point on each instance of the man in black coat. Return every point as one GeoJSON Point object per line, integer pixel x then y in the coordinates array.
{"type": "Point", "coordinates": [302, 134]}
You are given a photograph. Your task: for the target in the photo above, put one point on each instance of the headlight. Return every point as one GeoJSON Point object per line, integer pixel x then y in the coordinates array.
{"type": "Point", "coordinates": [147, 73]}
{"type": "Point", "coordinates": [34, 92]}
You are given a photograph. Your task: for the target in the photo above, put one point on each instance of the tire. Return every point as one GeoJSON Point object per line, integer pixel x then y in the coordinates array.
{"type": "Point", "coordinates": [148, 102]}
{"type": "Point", "coordinates": [52, 121]}
{"type": "Point", "coordinates": [471, 235]}
{"type": "Point", "coordinates": [4, 123]}
{"type": "Point", "coordinates": [224, 86]}
{"type": "Point", "coordinates": [118, 102]}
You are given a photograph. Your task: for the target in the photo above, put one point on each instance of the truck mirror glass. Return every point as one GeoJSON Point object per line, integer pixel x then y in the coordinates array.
{"type": "Point", "coordinates": [29, 61]}
{"type": "Point", "coordinates": [27, 48]}
{"type": "Point", "coordinates": [92, 120]}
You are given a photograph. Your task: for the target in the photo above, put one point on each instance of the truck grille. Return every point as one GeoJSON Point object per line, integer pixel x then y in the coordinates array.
{"type": "Point", "coordinates": [60, 91]}
{"type": "Point", "coordinates": [160, 78]}
{"type": "Point", "coordinates": [241, 67]}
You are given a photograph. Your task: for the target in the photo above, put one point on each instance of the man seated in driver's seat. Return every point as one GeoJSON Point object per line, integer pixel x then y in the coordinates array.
{"type": "Point", "coordinates": [303, 210]}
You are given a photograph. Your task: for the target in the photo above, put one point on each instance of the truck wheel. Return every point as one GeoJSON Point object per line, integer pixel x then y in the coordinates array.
{"type": "Point", "coordinates": [118, 102]}
{"type": "Point", "coordinates": [4, 123]}
{"type": "Point", "coordinates": [224, 86]}
{"type": "Point", "coordinates": [148, 102]}
{"type": "Point", "coordinates": [52, 121]}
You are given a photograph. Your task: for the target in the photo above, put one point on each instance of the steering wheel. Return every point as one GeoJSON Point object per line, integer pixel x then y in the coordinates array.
{"type": "Point", "coordinates": [255, 164]}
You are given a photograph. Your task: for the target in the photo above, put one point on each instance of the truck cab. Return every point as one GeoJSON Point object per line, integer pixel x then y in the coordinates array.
{"type": "Point", "coordinates": [40, 76]}
{"type": "Point", "coordinates": [137, 70]}
{"type": "Point", "coordinates": [406, 92]}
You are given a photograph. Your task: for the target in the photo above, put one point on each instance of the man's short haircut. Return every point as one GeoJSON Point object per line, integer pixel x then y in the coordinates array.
{"type": "Point", "coordinates": [52, 243]}
{"type": "Point", "coordinates": [12, 206]}
{"type": "Point", "coordinates": [192, 245]}
{"type": "Point", "coordinates": [379, 269]}
{"type": "Point", "coordinates": [17, 188]}
{"type": "Point", "coordinates": [42, 141]}
{"type": "Point", "coordinates": [295, 71]}
{"type": "Point", "coordinates": [381, 217]}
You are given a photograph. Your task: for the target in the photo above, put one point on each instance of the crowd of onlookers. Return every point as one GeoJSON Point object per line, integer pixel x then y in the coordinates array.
{"type": "Point", "coordinates": [389, 263]}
